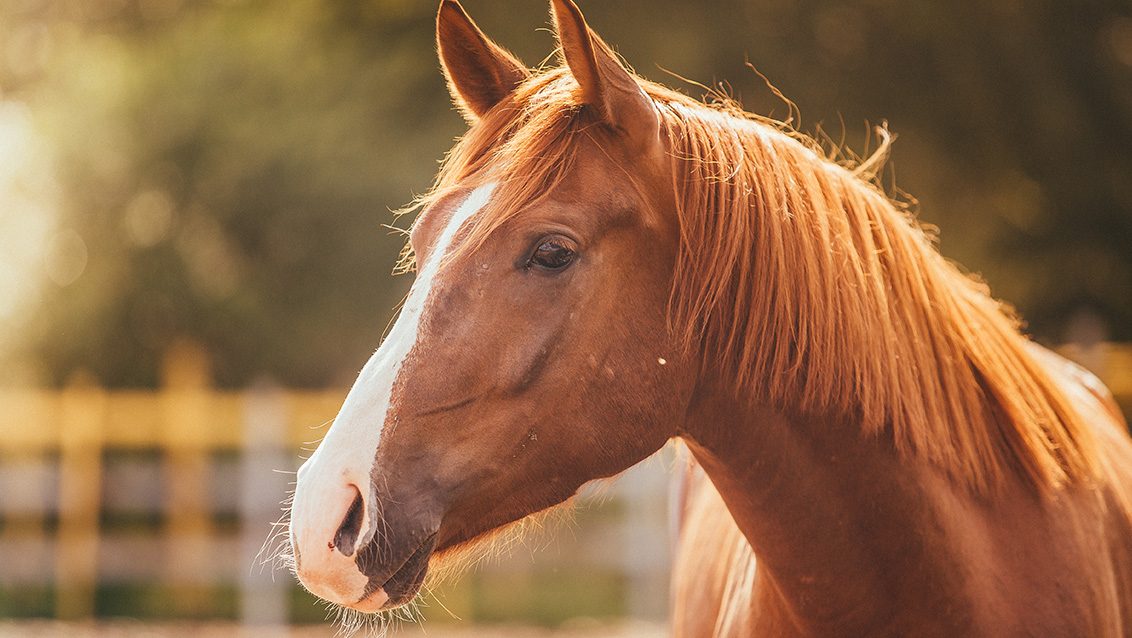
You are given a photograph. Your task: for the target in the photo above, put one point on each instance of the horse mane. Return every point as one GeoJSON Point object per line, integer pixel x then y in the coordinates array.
{"type": "Point", "coordinates": [799, 279]}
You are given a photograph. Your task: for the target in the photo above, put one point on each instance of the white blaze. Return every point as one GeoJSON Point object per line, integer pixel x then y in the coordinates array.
{"type": "Point", "coordinates": [346, 455]}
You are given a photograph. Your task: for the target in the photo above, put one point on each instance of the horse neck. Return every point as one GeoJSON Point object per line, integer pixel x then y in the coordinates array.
{"type": "Point", "coordinates": [827, 511]}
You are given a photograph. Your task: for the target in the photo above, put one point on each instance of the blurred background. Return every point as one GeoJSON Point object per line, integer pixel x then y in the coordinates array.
{"type": "Point", "coordinates": [196, 242]}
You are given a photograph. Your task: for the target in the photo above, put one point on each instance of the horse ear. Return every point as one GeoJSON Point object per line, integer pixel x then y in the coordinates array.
{"type": "Point", "coordinates": [480, 73]}
{"type": "Point", "coordinates": [605, 83]}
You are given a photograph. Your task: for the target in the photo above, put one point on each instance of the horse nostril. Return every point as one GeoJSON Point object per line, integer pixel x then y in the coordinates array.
{"type": "Point", "coordinates": [347, 535]}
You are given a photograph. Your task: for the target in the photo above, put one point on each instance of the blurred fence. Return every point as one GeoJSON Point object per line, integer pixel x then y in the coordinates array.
{"type": "Point", "coordinates": [158, 503]}
{"type": "Point", "coordinates": [1112, 362]}
{"type": "Point", "coordinates": [109, 500]}
{"type": "Point", "coordinates": [177, 486]}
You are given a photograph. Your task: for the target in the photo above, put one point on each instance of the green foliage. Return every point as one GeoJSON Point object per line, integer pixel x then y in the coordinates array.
{"type": "Point", "coordinates": [168, 602]}
{"type": "Point", "coordinates": [26, 601]}
{"type": "Point", "coordinates": [230, 171]}
{"type": "Point", "coordinates": [225, 168]}
{"type": "Point", "coordinates": [547, 598]}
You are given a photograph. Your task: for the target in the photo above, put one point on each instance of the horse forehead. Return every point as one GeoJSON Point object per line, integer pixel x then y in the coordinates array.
{"type": "Point", "coordinates": [601, 188]}
{"type": "Point", "coordinates": [614, 180]}
{"type": "Point", "coordinates": [432, 221]}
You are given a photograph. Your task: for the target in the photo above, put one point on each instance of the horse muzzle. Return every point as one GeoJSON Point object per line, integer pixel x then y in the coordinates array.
{"type": "Point", "coordinates": [351, 552]}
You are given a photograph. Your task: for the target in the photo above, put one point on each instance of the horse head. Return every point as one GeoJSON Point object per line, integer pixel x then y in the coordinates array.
{"type": "Point", "coordinates": [533, 352]}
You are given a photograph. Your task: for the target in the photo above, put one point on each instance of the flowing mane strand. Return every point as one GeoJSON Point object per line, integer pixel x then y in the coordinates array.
{"type": "Point", "coordinates": [802, 281]}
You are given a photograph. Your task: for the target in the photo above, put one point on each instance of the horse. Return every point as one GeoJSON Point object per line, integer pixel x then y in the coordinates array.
{"type": "Point", "coordinates": [605, 265]}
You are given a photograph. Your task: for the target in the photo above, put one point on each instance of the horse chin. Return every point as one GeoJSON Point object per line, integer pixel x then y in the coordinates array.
{"type": "Point", "coordinates": [373, 603]}
{"type": "Point", "coordinates": [403, 585]}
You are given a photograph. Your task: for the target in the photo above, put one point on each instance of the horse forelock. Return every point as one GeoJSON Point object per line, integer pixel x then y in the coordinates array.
{"type": "Point", "coordinates": [803, 282]}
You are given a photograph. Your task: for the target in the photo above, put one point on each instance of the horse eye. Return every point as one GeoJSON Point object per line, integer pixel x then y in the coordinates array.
{"type": "Point", "coordinates": [552, 254]}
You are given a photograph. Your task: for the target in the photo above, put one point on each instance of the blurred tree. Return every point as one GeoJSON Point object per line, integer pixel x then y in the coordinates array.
{"type": "Point", "coordinates": [225, 167]}
{"type": "Point", "coordinates": [229, 169]}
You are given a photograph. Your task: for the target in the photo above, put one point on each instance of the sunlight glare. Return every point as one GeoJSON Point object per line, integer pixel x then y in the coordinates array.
{"type": "Point", "coordinates": [28, 210]}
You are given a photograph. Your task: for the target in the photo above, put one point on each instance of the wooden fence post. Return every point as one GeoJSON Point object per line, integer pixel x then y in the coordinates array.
{"type": "Point", "coordinates": [187, 436]}
{"type": "Point", "coordinates": [83, 409]}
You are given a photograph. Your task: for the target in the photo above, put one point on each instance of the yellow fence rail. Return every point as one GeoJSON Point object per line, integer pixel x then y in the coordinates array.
{"type": "Point", "coordinates": [187, 414]}
{"type": "Point", "coordinates": [1112, 362]}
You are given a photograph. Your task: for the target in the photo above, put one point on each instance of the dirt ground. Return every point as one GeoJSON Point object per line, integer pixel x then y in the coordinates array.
{"type": "Point", "coordinates": [137, 629]}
